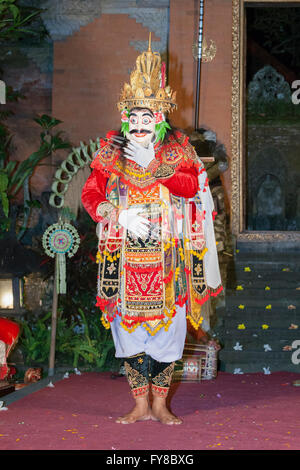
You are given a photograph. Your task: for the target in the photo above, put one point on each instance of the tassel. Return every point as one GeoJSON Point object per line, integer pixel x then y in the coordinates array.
{"type": "Point", "coordinates": [61, 273]}
{"type": "Point", "coordinates": [182, 300]}
{"type": "Point", "coordinates": [101, 303]}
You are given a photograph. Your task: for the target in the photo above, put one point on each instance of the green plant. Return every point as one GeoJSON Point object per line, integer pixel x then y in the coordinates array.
{"type": "Point", "coordinates": [15, 20]}
{"type": "Point", "coordinates": [94, 345]}
{"type": "Point", "coordinates": [35, 339]}
{"type": "Point", "coordinates": [18, 21]}
{"type": "Point", "coordinates": [5, 140]}
{"type": "Point", "coordinates": [14, 175]}
{"type": "Point", "coordinates": [80, 341]}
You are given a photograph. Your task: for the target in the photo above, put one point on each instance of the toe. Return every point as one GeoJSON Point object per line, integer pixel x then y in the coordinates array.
{"type": "Point", "coordinates": [125, 420]}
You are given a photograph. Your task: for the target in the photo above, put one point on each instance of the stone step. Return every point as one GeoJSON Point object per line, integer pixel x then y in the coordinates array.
{"type": "Point", "coordinates": [257, 322]}
{"type": "Point", "coordinates": [250, 293]}
{"type": "Point", "coordinates": [251, 368]}
{"type": "Point", "coordinates": [252, 313]}
{"type": "Point", "coordinates": [260, 284]}
{"type": "Point", "coordinates": [274, 281]}
{"type": "Point", "coordinates": [257, 342]}
{"type": "Point", "coordinates": [249, 312]}
{"type": "Point", "coordinates": [256, 357]}
{"type": "Point", "coordinates": [224, 334]}
{"type": "Point", "coordinates": [283, 258]}
{"type": "Point", "coordinates": [261, 303]}
{"type": "Point", "coordinates": [267, 267]}
{"type": "Point", "coordinates": [266, 247]}
{"type": "Point", "coordinates": [262, 273]}
{"type": "Point", "coordinates": [244, 310]}
{"type": "Point", "coordinates": [254, 271]}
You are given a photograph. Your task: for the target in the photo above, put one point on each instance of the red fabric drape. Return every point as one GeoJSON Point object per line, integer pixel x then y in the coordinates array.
{"type": "Point", "coordinates": [183, 183]}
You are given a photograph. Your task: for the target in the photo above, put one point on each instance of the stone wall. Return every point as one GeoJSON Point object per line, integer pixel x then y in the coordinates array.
{"type": "Point", "coordinates": [215, 94]}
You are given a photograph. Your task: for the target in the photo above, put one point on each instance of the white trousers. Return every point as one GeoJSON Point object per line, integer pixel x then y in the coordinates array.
{"type": "Point", "coordinates": [164, 346]}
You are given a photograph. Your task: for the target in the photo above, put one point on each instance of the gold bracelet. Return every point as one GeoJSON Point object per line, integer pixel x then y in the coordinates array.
{"type": "Point", "coordinates": [164, 171]}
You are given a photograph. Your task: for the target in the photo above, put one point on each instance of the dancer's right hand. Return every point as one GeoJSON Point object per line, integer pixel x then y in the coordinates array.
{"type": "Point", "coordinates": [136, 224]}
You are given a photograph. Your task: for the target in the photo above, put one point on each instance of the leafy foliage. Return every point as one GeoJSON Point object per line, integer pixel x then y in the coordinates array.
{"type": "Point", "coordinates": [15, 21]}
{"type": "Point", "coordinates": [79, 342]}
{"type": "Point", "coordinates": [35, 339]}
{"type": "Point", "coordinates": [14, 174]}
{"type": "Point", "coordinates": [95, 343]}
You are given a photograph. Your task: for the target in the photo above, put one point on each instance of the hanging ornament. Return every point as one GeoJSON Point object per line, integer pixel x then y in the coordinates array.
{"type": "Point", "coordinates": [58, 240]}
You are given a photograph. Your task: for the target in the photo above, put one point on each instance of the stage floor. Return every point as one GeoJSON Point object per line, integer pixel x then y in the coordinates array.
{"type": "Point", "coordinates": [231, 412]}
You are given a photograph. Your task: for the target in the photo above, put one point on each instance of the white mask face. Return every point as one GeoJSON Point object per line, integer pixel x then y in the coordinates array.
{"type": "Point", "coordinates": [141, 126]}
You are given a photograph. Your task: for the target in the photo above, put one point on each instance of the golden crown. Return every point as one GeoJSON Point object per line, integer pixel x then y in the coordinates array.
{"type": "Point", "coordinates": [147, 85]}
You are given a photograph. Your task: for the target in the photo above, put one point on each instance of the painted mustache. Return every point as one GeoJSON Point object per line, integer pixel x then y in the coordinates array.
{"type": "Point", "coordinates": [140, 131]}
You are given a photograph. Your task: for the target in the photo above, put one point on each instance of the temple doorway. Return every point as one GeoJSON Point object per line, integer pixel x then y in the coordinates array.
{"type": "Point", "coordinates": [272, 117]}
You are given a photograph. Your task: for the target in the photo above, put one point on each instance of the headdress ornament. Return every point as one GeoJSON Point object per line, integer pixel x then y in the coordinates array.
{"type": "Point", "coordinates": [147, 85]}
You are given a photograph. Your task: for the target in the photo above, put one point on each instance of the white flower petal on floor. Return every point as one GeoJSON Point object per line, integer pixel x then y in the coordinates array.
{"type": "Point", "coordinates": [238, 371]}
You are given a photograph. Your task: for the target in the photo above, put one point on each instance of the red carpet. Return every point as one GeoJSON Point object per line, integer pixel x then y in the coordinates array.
{"type": "Point", "coordinates": [238, 412]}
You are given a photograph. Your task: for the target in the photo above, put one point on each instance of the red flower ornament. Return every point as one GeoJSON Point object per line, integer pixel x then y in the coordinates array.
{"type": "Point", "coordinates": [159, 117]}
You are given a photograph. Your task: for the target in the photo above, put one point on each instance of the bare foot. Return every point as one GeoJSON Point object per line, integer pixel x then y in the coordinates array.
{"type": "Point", "coordinates": [161, 413]}
{"type": "Point", "coordinates": [141, 412]}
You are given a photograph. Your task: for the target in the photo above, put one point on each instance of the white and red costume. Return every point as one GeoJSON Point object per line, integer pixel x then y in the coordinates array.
{"type": "Point", "coordinates": [157, 269]}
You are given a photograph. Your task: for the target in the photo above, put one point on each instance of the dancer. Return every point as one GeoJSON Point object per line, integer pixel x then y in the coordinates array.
{"type": "Point", "coordinates": [157, 254]}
